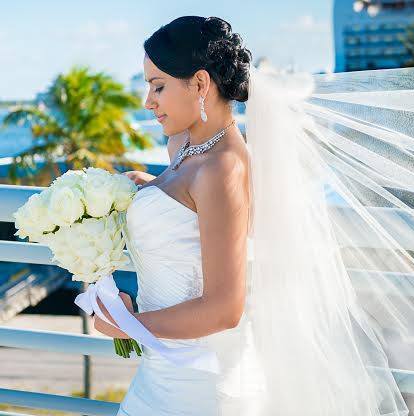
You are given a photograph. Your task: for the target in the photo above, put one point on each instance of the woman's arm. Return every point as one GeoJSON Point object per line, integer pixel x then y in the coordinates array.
{"type": "Point", "coordinates": [222, 210]}
{"type": "Point", "coordinates": [107, 329]}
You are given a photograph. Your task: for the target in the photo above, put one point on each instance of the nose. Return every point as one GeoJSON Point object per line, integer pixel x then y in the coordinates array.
{"type": "Point", "coordinates": [149, 102]}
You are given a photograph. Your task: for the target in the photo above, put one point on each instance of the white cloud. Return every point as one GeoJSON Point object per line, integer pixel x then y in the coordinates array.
{"type": "Point", "coordinates": [110, 46]}
{"type": "Point", "coordinates": [303, 42]}
{"type": "Point", "coordinates": [92, 30]}
{"type": "Point", "coordinates": [306, 23]}
{"type": "Point", "coordinates": [117, 27]}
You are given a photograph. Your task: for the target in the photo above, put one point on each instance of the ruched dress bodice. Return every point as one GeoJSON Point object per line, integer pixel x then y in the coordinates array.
{"type": "Point", "coordinates": [163, 240]}
{"type": "Point", "coordinates": [165, 235]}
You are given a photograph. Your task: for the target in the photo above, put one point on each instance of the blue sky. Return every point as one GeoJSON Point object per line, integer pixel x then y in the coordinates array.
{"type": "Point", "coordinates": [40, 38]}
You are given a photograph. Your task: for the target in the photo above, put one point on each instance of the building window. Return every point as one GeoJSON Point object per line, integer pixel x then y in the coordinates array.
{"type": "Point", "coordinates": [387, 26]}
{"type": "Point", "coordinates": [388, 51]}
{"type": "Point", "coordinates": [353, 53]}
{"type": "Point", "coordinates": [397, 5]}
{"type": "Point", "coordinates": [372, 27]}
{"type": "Point", "coordinates": [352, 40]}
{"type": "Point", "coordinates": [373, 38]}
{"type": "Point", "coordinates": [374, 51]}
{"type": "Point", "coordinates": [352, 66]}
{"type": "Point", "coordinates": [388, 38]}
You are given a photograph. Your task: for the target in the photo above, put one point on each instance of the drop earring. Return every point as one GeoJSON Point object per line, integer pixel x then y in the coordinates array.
{"type": "Point", "coordinates": [202, 112]}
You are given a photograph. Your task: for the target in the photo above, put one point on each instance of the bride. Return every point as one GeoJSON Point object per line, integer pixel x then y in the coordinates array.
{"type": "Point", "coordinates": [286, 257]}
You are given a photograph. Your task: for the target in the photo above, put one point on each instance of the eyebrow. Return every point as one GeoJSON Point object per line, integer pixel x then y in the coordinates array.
{"type": "Point", "coordinates": [152, 79]}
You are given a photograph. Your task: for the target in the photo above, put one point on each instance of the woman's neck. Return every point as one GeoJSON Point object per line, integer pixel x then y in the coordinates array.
{"type": "Point", "coordinates": [200, 132]}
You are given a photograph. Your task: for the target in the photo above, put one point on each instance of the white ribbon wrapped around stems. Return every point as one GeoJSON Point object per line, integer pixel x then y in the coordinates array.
{"type": "Point", "coordinates": [194, 357]}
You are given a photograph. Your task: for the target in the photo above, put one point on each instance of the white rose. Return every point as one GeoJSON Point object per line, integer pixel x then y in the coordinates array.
{"type": "Point", "coordinates": [97, 192]}
{"type": "Point", "coordinates": [32, 219]}
{"type": "Point", "coordinates": [90, 249]}
{"type": "Point", "coordinates": [71, 179]}
{"type": "Point", "coordinates": [124, 191]}
{"type": "Point", "coordinates": [65, 205]}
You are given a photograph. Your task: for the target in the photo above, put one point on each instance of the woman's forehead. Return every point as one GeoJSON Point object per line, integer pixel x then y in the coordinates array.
{"type": "Point", "coordinates": [151, 72]}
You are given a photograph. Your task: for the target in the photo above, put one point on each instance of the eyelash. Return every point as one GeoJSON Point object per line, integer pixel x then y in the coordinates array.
{"type": "Point", "coordinates": [159, 89]}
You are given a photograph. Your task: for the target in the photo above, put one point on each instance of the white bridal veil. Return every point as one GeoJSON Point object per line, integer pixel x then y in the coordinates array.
{"type": "Point", "coordinates": [331, 289]}
{"type": "Point", "coordinates": [329, 314]}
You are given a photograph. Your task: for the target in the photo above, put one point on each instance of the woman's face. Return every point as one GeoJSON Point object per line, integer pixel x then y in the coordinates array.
{"type": "Point", "coordinates": [171, 97]}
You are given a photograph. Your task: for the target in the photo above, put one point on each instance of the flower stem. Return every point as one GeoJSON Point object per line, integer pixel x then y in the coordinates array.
{"type": "Point", "coordinates": [123, 347]}
{"type": "Point", "coordinates": [136, 347]}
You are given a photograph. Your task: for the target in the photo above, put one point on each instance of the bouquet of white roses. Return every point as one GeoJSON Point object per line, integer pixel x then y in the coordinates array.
{"type": "Point", "coordinates": [79, 217]}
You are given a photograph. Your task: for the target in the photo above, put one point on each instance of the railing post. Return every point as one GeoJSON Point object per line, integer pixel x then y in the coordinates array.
{"type": "Point", "coordinates": [87, 359]}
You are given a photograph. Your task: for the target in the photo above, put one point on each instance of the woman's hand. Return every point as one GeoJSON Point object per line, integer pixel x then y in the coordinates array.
{"type": "Point", "coordinates": [139, 177]}
{"type": "Point", "coordinates": [107, 329]}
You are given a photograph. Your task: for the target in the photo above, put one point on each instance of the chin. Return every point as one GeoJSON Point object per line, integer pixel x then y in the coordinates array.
{"type": "Point", "coordinates": [174, 132]}
{"type": "Point", "coordinates": [168, 132]}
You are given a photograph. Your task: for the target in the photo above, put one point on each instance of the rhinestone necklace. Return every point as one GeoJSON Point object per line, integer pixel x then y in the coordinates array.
{"type": "Point", "coordinates": [187, 150]}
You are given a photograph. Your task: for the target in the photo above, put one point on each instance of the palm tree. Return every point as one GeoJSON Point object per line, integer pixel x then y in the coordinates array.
{"type": "Point", "coordinates": [83, 120]}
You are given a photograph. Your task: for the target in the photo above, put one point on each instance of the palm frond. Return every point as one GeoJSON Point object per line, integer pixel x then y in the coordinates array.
{"type": "Point", "coordinates": [85, 120]}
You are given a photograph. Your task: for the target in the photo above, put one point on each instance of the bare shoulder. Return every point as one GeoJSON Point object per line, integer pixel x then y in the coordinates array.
{"type": "Point", "coordinates": [175, 142]}
{"type": "Point", "coordinates": [226, 165]}
{"type": "Point", "coordinates": [219, 184]}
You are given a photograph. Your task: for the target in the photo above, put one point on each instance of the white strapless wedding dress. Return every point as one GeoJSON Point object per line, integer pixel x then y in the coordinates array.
{"type": "Point", "coordinates": [163, 240]}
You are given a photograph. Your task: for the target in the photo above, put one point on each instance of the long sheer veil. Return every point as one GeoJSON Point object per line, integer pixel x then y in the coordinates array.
{"type": "Point", "coordinates": [331, 287]}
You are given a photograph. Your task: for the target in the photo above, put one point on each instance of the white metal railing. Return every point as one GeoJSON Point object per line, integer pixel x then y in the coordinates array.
{"type": "Point", "coordinates": [11, 198]}
{"type": "Point", "coordinates": [61, 342]}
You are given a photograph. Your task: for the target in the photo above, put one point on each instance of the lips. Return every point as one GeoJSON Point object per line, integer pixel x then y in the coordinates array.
{"type": "Point", "coordinates": [161, 118]}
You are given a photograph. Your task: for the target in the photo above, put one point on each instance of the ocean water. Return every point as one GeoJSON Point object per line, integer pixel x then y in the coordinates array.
{"type": "Point", "coordinates": [14, 139]}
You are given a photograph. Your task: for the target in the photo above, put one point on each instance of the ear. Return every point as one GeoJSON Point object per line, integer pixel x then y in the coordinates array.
{"type": "Point", "coordinates": [202, 79]}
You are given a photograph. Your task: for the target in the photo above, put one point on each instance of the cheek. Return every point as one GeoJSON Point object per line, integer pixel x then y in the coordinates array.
{"type": "Point", "coordinates": [181, 110]}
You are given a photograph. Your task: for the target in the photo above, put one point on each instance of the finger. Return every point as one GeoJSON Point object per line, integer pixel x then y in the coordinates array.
{"type": "Point", "coordinates": [124, 296]}
{"type": "Point", "coordinates": [135, 178]}
{"type": "Point", "coordinates": [96, 322]}
{"type": "Point", "coordinates": [127, 300]}
{"type": "Point", "coordinates": [101, 306]}
{"type": "Point", "coordinates": [104, 310]}
{"type": "Point", "coordinates": [102, 326]}
{"type": "Point", "coordinates": [128, 303]}
{"type": "Point", "coordinates": [130, 175]}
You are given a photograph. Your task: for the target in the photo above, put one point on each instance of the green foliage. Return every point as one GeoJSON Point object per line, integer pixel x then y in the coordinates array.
{"type": "Point", "coordinates": [32, 412]}
{"type": "Point", "coordinates": [84, 121]}
{"type": "Point", "coordinates": [109, 395]}
{"type": "Point", "coordinates": [409, 43]}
